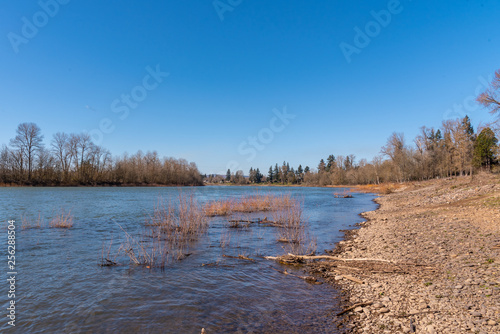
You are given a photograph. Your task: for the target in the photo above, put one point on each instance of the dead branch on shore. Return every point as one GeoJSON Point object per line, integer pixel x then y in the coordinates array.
{"type": "Point", "coordinates": [353, 307]}
{"type": "Point", "coordinates": [353, 279]}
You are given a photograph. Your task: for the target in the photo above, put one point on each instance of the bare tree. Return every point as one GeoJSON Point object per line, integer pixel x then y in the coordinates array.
{"type": "Point", "coordinates": [61, 149]}
{"type": "Point", "coordinates": [396, 150]}
{"type": "Point", "coordinates": [491, 100]}
{"type": "Point", "coordinates": [28, 141]}
{"type": "Point", "coordinates": [491, 97]}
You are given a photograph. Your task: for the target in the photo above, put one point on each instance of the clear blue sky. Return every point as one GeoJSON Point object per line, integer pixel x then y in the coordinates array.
{"type": "Point", "coordinates": [226, 76]}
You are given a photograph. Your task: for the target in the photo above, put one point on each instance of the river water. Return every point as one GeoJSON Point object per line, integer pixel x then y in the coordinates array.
{"type": "Point", "coordinates": [60, 287]}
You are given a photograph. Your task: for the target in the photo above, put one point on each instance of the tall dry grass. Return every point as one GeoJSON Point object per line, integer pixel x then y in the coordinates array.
{"type": "Point", "coordinates": [27, 223]}
{"type": "Point", "coordinates": [168, 234]}
{"type": "Point", "coordinates": [185, 222]}
{"type": "Point", "coordinates": [293, 229]}
{"type": "Point", "coordinates": [63, 219]}
{"type": "Point", "coordinates": [247, 204]}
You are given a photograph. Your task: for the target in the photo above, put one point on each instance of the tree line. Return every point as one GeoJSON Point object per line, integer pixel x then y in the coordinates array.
{"type": "Point", "coordinates": [451, 150]}
{"type": "Point", "coordinates": [73, 159]}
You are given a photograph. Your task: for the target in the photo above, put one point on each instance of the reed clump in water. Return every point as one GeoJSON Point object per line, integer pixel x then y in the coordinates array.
{"type": "Point", "coordinates": [247, 204]}
{"type": "Point", "coordinates": [184, 223]}
{"type": "Point", "coordinates": [27, 223]}
{"type": "Point", "coordinates": [293, 229]}
{"type": "Point", "coordinates": [62, 219]}
{"type": "Point", "coordinates": [168, 235]}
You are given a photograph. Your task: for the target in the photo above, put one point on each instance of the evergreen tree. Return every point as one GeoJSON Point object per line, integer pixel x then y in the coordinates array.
{"type": "Point", "coordinates": [484, 149]}
{"type": "Point", "coordinates": [276, 173]}
{"type": "Point", "coordinates": [258, 176]}
{"type": "Point", "coordinates": [321, 166]}
{"type": "Point", "coordinates": [467, 126]}
{"type": "Point", "coordinates": [228, 175]}
{"type": "Point", "coordinates": [330, 163]}
{"type": "Point", "coordinates": [307, 169]}
{"type": "Point", "coordinates": [270, 175]}
{"type": "Point", "coordinates": [251, 175]}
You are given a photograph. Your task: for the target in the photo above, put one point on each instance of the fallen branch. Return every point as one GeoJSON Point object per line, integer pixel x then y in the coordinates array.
{"type": "Point", "coordinates": [354, 279]}
{"type": "Point", "coordinates": [353, 307]}
{"type": "Point", "coordinates": [348, 268]}
{"type": "Point", "coordinates": [388, 272]}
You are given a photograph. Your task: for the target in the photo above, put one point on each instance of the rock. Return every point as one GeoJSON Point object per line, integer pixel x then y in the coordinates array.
{"type": "Point", "coordinates": [459, 287]}
{"type": "Point", "coordinates": [378, 305]}
{"type": "Point", "coordinates": [338, 277]}
{"type": "Point", "coordinates": [383, 310]}
{"type": "Point", "coordinates": [491, 323]}
{"type": "Point", "coordinates": [476, 314]}
{"type": "Point", "coordinates": [358, 309]}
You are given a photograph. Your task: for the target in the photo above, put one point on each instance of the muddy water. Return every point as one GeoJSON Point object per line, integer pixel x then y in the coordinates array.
{"type": "Point", "coordinates": [62, 289]}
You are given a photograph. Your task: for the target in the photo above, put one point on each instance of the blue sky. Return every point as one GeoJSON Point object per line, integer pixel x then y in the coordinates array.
{"type": "Point", "coordinates": [234, 65]}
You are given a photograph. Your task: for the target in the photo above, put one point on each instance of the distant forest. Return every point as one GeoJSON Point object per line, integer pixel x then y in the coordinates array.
{"type": "Point", "coordinates": [73, 159]}
{"type": "Point", "coordinates": [454, 149]}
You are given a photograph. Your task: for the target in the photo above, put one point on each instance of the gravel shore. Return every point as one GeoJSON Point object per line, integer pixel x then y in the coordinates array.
{"type": "Point", "coordinates": [431, 260]}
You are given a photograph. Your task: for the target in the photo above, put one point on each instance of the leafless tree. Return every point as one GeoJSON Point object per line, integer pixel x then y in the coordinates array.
{"type": "Point", "coordinates": [27, 142]}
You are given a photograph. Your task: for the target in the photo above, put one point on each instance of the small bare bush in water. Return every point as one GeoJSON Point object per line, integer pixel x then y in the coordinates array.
{"type": "Point", "coordinates": [293, 230]}
{"type": "Point", "coordinates": [27, 223]}
{"type": "Point", "coordinates": [62, 219]}
{"type": "Point", "coordinates": [170, 230]}
{"type": "Point", "coordinates": [250, 203]}
{"type": "Point", "coordinates": [184, 223]}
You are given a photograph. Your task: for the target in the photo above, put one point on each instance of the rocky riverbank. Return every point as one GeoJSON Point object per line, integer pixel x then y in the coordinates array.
{"type": "Point", "coordinates": [427, 261]}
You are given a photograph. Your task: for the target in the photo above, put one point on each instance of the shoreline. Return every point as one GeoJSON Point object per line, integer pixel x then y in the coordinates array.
{"type": "Point", "coordinates": [439, 268]}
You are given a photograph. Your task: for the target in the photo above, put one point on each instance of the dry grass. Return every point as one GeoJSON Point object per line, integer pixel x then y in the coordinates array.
{"type": "Point", "coordinates": [186, 222]}
{"type": "Point", "coordinates": [62, 219]}
{"type": "Point", "coordinates": [347, 193]}
{"type": "Point", "coordinates": [293, 229]}
{"type": "Point", "coordinates": [383, 188]}
{"type": "Point", "coordinates": [247, 204]}
{"type": "Point", "coordinates": [26, 223]}
{"type": "Point", "coordinates": [106, 259]}
{"type": "Point", "coordinates": [170, 231]}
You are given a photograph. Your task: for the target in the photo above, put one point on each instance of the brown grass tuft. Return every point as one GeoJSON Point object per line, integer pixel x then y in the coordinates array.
{"type": "Point", "coordinates": [62, 220]}
{"type": "Point", "coordinates": [293, 229]}
{"type": "Point", "coordinates": [26, 223]}
{"type": "Point", "coordinates": [247, 204]}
